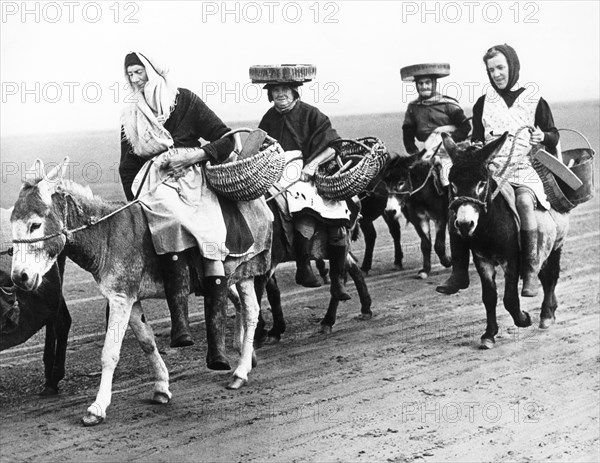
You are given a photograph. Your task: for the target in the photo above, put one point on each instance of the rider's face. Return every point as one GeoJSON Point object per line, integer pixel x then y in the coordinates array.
{"type": "Point", "coordinates": [425, 87]}
{"type": "Point", "coordinates": [497, 68]}
{"type": "Point", "coordinates": [282, 96]}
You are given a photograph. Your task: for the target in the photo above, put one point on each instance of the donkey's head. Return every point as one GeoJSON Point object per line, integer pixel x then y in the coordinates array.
{"type": "Point", "coordinates": [36, 227]}
{"type": "Point", "coordinates": [401, 171]}
{"type": "Point", "coordinates": [470, 181]}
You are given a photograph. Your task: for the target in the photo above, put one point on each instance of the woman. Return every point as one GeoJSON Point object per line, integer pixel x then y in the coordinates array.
{"type": "Point", "coordinates": [302, 127]}
{"type": "Point", "coordinates": [182, 212]}
{"type": "Point", "coordinates": [507, 107]}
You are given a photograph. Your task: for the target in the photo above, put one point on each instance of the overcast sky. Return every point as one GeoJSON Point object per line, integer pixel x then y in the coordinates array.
{"type": "Point", "coordinates": [61, 62]}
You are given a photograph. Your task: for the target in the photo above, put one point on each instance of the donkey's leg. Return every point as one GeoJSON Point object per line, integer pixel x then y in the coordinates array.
{"type": "Point", "coordinates": [361, 287]}
{"type": "Point", "coordinates": [511, 294]}
{"type": "Point", "coordinates": [549, 277]}
{"type": "Point", "coordinates": [370, 235]}
{"type": "Point", "coordinates": [440, 242]}
{"type": "Point", "coordinates": [249, 316]}
{"type": "Point", "coordinates": [145, 336]}
{"type": "Point", "coordinates": [421, 224]}
{"type": "Point", "coordinates": [120, 310]}
{"type": "Point", "coordinates": [238, 326]}
{"type": "Point", "coordinates": [57, 355]}
{"type": "Point", "coordinates": [274, 296]}
{"type": "Point", "coordinates": [50, 387]}
{"type": "Point", "coordinates": [323, 270]}
{"type": "Point", "coordinates": [394, 227]}
{"type": "Point", "coordinates": [489, 295]}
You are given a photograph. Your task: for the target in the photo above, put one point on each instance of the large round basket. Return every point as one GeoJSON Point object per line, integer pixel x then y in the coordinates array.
{"type": "Point", "coordinates": [371, 156]}
{"type": "Point", "coordinates": [249, 178]}
{"type": "Point", "coordinates": [437, 70]}
{"type": "Point", "coordinates": [581, 162]}
{"type": "Point", "coordinates": [282, 73]}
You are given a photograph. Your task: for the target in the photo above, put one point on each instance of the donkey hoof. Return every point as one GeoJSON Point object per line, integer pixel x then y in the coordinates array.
{"type": "Point", "coordinates": [48, 391]}
{"type": "Point", "coordinates": [160, 398]}
{"type": "Point", "coordinates": [546, 323]}
{"type": "Point", "coordinates": [325, 329]}
{"type": "Point", "coordinates": [364, 317]}
{"type": "Point", "coordinates": [236, 383]}
{"type": "Point", "coordinates": [486, 344]}
{"type": "Point", "coordinates": [91, 420]}
{"type": "Point", "coordinates": [398, 267]}
{"type": "Point", "coordinates": [422, 275]}
{"type": "Point", "coordinates": [527, 322]}
{"type": "Point", "coordinates": [254, 360]}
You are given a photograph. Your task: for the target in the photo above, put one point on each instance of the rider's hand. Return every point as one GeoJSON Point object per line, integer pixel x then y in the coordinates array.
{"type": "Point", "coordinates": [176, 165]}
{"type": "Point", "coordinates": [537, 136]}
{"type": "Point", "coordinates": [308, 172]}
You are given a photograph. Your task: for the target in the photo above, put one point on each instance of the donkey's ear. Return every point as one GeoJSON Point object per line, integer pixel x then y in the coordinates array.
{"type": "Point", "coordinates": [58, 172]}
{"type": "Point", "coordinates": [492, 148]}
{"type": "Point", "coordinates": [449, 145]}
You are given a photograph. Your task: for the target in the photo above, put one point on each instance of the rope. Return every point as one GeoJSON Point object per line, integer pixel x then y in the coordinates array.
{"type": "Point", "coordinates": [91, 220]}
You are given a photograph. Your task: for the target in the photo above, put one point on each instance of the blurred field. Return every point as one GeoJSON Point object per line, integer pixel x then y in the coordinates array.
{"type": "Point", "coordinates": [95, 155]}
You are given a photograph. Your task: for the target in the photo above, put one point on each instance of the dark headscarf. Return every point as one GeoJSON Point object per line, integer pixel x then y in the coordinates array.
{"type": "Point", "coordinates": [293, 86]}
{"type": "Point", "coordinates": [132, 59]}
{"type": "Point", "coordinates": [514, 66]}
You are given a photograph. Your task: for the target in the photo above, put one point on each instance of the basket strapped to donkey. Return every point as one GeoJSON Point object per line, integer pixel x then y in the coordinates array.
{"type": "Point", "coordinates": [563, 193]}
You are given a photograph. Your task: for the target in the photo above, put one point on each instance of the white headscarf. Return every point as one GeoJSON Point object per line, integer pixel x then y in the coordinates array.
{"type": "Point", "coordinates": [143, 118]}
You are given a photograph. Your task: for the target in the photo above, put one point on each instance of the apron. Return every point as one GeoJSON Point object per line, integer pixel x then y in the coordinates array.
{"type": "Point", "coordinates": [498, 118]}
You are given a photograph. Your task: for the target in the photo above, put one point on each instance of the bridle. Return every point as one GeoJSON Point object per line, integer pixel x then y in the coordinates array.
{"type": "Point", "coordinates": [460, 200]}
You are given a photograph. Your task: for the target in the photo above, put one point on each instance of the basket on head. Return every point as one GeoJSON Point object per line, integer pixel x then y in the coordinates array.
{"type": "Point", "coordinates": [282, 73]}
{"type": "Point", "coordinates": [581, 162]}
{"type": "Point", "coordinates": [250, 178]}
{"type": "Point", "coordinates": [343, 184]}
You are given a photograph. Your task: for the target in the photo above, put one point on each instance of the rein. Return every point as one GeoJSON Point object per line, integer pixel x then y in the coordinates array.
{"type": "Point", "coordinates": [90, 222]}
{"type": "Point", "coordinates": [460, 200]}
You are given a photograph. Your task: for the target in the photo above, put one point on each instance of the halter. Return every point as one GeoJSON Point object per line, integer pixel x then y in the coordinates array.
{"type": "Point", "coordinates": [90, 221]}
{"type": "Point", "coordinates": [460, 200]}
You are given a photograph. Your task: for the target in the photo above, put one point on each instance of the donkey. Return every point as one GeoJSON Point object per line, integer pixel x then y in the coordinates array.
{"type": "Point", "coordinates": [281, 251]}
{"type": "Point", "coordinates": [52, 215]}
{"type": "Point", "coordinates": [25, 313]}
{"type": "Point", "coordinates": [373, 204]}
{"type": "Point", "coordinates": [485, 219]}
{"type": "Point", "coordinates": [415, 191]}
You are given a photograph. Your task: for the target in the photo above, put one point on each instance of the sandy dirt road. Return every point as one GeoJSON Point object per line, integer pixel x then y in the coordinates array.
{"type": "Point", "coordinates": [408, 385]}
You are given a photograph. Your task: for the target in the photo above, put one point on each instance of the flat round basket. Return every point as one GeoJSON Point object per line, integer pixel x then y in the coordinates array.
{"type": "Point", "coordinates": [249, 178]}
{"type": "Point", "coordinates": [438, 70]}
{"type": "Point", "coordinates": [345, 180]}
{"type": "Point", "coordinates": [282, 73]}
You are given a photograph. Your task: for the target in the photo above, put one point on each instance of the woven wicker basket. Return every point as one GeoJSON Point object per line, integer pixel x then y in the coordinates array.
{"type": "Point", "coordinates": [340, 186]}
{"type": "Point", "coordinates": [563, 198]}
{"type": "Point", "coordinates": [249, 178]}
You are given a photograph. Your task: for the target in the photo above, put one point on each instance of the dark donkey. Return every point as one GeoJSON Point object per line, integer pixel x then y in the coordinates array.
{"type": "Point", "coordinates": [415, 191]}
{"type": "Point", "coordinates": [373, 204]}
{"type": "Point", "coordinates": [25, 313]}
{"type": "Point", "coordinates": [485, 220]}
{"type": "Point", "coordinates": [281, 251]}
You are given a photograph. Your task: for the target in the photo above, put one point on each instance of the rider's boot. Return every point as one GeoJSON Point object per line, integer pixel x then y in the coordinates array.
{"type": "Point", "coordinates": [459, 278]}
{"type": "Point", "coordinates": [529, 262]}
{"type": "Point", "coordinates": [337, 264]}
{"type": "Point", "coordinates": [304, 273]}
{"type": "Point", "coordinates": [215, 314]}
{"type": "Point", "coordinates": [174, 268]}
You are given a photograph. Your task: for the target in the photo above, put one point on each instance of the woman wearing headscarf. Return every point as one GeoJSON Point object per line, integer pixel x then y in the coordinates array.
{"type": "Point", "coordinates": [301, 127]}
{"type": "Point", "coordinates": [160, 122]}
{"type": "Point", "coordinates": [507, 107]}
